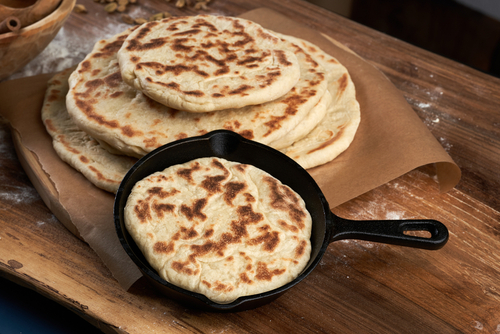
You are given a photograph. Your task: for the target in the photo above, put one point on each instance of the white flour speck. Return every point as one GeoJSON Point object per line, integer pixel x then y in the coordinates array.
{"type": "Point", "coordinates": [393, 215]}
{"type": "Point", "coordinates": [446, 145]}
{"type": "Point", "coordinates": [423, 105]}
{"type": "Point", "coordinates": [478, 325]}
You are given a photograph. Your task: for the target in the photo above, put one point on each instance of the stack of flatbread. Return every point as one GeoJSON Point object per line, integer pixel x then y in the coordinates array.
{"type": "Point", "coordinates": [186, 76]}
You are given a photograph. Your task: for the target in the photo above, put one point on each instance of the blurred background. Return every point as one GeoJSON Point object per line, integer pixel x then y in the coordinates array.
{"type": "Point", "coordinates": [467, 31]}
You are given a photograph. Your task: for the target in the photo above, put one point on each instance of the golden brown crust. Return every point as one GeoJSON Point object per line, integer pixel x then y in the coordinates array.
{"type": "Point", "coordinates": [220, 228]}
{"type": "Point", "coordinates": [74, 146]}
{"type": "Point", "coordinates": [232, 62]}
{"type": "Point", "coordinates": [110, 110]}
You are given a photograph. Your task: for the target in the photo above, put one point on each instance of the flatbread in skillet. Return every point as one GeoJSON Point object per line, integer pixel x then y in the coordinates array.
{"type": "Point", "coordinates": [220, 228]}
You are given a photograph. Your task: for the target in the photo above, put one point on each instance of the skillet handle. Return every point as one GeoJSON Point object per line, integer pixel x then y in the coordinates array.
{"type": "Point", "coordinates": [391, 232]}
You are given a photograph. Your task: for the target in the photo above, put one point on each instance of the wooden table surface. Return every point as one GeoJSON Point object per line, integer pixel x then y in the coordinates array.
{"type": "Point", "coordinates": [359, 286]}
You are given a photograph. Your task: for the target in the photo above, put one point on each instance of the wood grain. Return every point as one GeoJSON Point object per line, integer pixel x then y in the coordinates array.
{"type": "Point", "coordinates": [358, 287]}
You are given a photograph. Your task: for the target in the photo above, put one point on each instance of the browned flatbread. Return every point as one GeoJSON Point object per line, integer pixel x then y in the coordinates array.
{"type": "Point", "coordinates": [206, 63]}
{"type": "Point", "coordinates": [110, 110]}
{"type": "Point", "coordinates": [220, 228]}
{"type": "Point", "coordinates": [75, 147]}
{"type": "Point", "coordinates": [336, 131]}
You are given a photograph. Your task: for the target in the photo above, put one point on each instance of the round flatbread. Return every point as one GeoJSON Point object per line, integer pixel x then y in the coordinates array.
{"type": "Point", "coordinates": [336, 131]}
{"type": "Point", "coordinates": [220, 228]}
{"type": "Point", "coordinates": [110, 110]}
{"type": "Point", "coordinates": [205, 63]}
{"type": "Point", "coordinates": [74, 146]}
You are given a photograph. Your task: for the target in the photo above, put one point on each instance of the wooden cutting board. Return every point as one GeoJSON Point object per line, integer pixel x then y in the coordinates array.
{"type": "Point", "coordinates": [42, 183]}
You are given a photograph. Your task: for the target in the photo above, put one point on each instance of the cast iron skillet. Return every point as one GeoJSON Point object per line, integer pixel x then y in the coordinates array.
{"type": "Point", "coordinates": [326, 228]}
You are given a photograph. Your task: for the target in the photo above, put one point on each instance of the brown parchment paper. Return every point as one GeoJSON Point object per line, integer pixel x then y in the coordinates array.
{"type": "Point", "coordinates": [391, 141]}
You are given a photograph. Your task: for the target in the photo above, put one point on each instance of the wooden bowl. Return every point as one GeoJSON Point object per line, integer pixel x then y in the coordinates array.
{"type": "Point", "coordinates": [19, 48]}
{"type": "Point", "coordinates": [27, 11]}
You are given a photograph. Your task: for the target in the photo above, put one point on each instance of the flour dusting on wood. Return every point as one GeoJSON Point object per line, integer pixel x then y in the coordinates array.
{"type": "Point", "coordinates": [68, 49]}
{"type": "Point", "coordinates": [6, 151]}
{"type": "Point", "coordinates": [12, 194]}
{"type": "Point", "coordinates": [16, 195]}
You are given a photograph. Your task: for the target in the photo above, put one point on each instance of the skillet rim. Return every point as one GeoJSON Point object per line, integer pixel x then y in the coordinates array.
{"type": "Point", "coordinates": [200, 299]}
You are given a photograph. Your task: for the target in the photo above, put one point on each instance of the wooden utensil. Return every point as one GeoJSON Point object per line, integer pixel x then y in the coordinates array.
{"type": "Point", "coordinates": [27, 11]}
{"type": "Point", "coordinates": [19, 48]}
{"type": "Point", "coordinates": [10, 24]}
